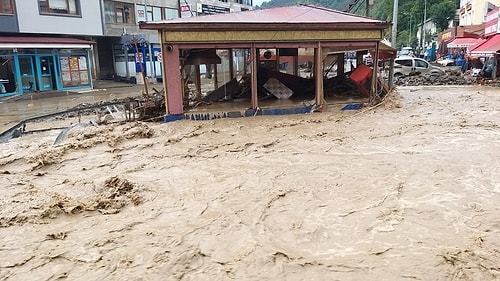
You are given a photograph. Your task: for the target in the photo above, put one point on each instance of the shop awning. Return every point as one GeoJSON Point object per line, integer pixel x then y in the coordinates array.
{"type": "Point", "coordinates": [386, 51]}
{"type": "Point", "coordinates": [44, 43]}
{"type": "Point", "coordinates": [463, 42]}
{"type": "Point", "coordinates": [489, 47]}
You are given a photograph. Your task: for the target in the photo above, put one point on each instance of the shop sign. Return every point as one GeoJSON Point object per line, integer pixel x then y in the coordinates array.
{"type": "Point", "coordinates": [446, 36]}
{"type": "Point", "coordinates": [212, 9]}
{"type": "Point", "coordinates": [491, 23]}
{"type": "Point", "coordinates": [141, 13]}
{"type": "Point", "coordinates": [185, 10]}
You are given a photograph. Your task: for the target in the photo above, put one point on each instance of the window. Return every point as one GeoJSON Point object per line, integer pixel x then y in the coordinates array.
{"type": "Point", "coordinates": [74, 70]}
{"type": "Point", "coordinates": [6, 7]}
{"type": "Point", "coordinates": [421, 63]}
{"type": "Point", "coordinates": [62, 7]}
{"type": "Point", "coordinates": [118, 13]}
{"type": "Point", "coordinates": [171, 13]}
{"type": "Point", "coordinates": [407, 62]}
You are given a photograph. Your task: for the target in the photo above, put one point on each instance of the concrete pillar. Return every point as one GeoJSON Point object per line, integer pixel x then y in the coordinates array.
{"type": "Point", "coordinates": [172, 81]}
{"type": "Point", "coordinates": [253, 76]}
{"type": "Point", "coordinates": [373, 93]}
{"type": "Point", "coordinates": [318, 75]}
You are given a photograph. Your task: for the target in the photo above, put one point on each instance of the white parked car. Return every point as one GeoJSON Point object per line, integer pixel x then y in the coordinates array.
{"type": "Point", "coordinates": [406, 52]}
{"type": "Point", "coordinates": [409, 65]}
{"type": "Point", "coordinates": [444, 61]}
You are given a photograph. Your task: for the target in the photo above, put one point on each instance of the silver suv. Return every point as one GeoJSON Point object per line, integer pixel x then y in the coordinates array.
{"type": "Point", "coordinates": [410, 65]}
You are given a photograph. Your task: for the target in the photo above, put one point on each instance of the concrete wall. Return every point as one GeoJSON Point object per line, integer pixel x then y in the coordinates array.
{"type": "Point", "coordinates": [477, 12]}
{"type": "Point", "coordinates": [31, 21]}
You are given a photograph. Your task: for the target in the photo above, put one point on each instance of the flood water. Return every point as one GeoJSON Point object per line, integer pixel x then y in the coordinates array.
{"type": "Point", "coordinates": [12, 112]}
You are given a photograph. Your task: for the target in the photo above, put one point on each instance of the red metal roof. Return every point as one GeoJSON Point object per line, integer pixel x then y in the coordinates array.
{"type": "Point", "coordinates": [42, 40]}
{"type": "Point", "coordinates": [292, 15]}
{"type": "Point", "coordinates": [491, 46]}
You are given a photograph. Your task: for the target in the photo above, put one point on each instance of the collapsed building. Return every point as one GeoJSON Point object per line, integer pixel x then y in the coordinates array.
{"type": "Point", "coordinates": [282, 60]}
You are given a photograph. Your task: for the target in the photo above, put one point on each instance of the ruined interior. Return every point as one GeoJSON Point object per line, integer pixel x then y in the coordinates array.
{"type": "Point", "coordinates": [296, 59]}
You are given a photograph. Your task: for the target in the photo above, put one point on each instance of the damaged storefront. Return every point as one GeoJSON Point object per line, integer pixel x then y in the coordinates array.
{"type": "Point", "coordinates": [294, 59]}
{"type": "Point", "coordinates": [38, 64]}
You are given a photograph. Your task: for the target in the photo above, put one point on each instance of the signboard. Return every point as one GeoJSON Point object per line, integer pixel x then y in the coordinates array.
{"type": "Point", "coordinates": [185, 10]}
{"type": "Point", "coordinates": [447, 36]}
{"type": "Point", "coordinates": [211, 9]}
{"type": "Point", "coordinates": [141, 13]}
{"type": "Point", "coordinates": [492, 22]}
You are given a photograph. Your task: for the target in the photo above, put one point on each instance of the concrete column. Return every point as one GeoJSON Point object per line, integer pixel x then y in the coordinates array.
{"type": "Point", "coordinates": [253, 76]}
{"type": "Point", "coordinates": [198, 82]}
{"type": "Point", "coordinates": [373, 93]}
{"type": "Point", "coordinates": [318, 75]}
{"type": "Point", "coordinates": [341, 64]}
{"type": "Point", "coordinates": [172, 81]}
{"type": "Point", "coordinates": [231, 64]}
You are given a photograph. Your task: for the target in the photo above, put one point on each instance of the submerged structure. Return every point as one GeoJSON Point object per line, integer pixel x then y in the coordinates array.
{"type": "Point", "coordinates": [302, 53]}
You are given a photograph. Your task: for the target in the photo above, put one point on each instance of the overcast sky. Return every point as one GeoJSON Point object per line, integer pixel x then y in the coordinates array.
{"type": "Point", "coordinates": [257, 2]}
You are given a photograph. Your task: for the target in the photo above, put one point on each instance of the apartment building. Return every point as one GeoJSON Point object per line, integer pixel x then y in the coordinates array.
{"type": "Point", "coordinates": [473, 12]}
{"type": "Point", "coordinates": [46, 44]}
{"type": "Point", "coordinates": [125, 50]}
{"type": "Point", "coordinates": [64, 44]}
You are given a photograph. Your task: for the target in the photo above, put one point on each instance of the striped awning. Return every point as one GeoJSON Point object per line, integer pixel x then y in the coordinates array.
{"type": "Point", "coordinates": [489, 47]}
{"type": "Point", "coordinates": [463, 42]}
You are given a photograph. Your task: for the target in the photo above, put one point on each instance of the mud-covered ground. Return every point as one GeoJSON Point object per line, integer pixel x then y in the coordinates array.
{"type": "Point", "coordinates": [408, 190]}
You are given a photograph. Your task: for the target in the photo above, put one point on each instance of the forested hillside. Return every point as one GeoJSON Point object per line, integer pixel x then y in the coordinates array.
{"type": "Point", "coordinates": [411, 12]}
{"type": "Point", "coordinates": [334, 4]}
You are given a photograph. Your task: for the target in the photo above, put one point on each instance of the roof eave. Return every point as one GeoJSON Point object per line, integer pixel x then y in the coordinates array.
{"type": "Point", "coordinates": [200, 26]}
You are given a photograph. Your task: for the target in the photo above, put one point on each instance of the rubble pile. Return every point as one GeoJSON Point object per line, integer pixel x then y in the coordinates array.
{"type": "Point", "coordinates": [450, 78]}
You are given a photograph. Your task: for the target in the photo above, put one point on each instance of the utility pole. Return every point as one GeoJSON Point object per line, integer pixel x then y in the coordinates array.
{"type": "Point", "coordinates": [394, 24]}
{"type": "Point", "coordinates": [425, 20]}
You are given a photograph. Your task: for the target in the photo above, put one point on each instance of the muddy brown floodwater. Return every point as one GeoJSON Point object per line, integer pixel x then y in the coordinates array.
{"type": "Point", "coordinates": [12, 112]}
{"type": "Point", "coordinates": [408, 190]}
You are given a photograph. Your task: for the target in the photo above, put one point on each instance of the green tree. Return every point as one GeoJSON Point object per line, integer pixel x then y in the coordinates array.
{"type": "Point", "coordinates": [441, 13]}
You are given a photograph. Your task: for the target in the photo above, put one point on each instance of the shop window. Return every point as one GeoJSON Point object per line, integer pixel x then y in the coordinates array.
{"type": "Point", "coordinates": [74, 71]}
{"type": "Point", "coordinates": [60, 7]}
{"type": "Point", "coordinates": [6, 7]}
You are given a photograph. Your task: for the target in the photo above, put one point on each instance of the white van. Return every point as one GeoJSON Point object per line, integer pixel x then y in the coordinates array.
{"type": "Point", "coordinates": [410, 65]}
{"type": "Point", "coordinates": [406, 52]}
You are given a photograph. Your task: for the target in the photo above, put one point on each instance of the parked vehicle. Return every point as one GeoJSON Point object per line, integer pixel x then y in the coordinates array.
{"type": "Point", "coordinates": [406, 52]}
{"type": "Point", "coordinates": [446, 60]}
{"type": "Point", "coordinates": [409, 65]}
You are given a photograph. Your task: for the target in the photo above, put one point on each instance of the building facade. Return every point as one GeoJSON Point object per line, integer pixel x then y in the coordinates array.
{"type": "Point", "coordinates": [125, 50]}
{"type": "Point", "coordinates": [63, 44]}
{"type": "Point", "coordinates": [46, 44]}
{"type": "Point", "coordinates": [473, 12]}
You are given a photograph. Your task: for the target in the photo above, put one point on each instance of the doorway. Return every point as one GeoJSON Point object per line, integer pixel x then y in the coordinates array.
{"type": "Point", "coordinates": [45, 67]}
